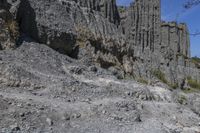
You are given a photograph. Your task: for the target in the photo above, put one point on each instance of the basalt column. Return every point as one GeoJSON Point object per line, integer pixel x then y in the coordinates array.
{"type": "Point", "coordinates": [176, 38]}
{"type": "Point", "coordinates": [143, 28]}
{"type": "Point", "coordinates": [107, 7]}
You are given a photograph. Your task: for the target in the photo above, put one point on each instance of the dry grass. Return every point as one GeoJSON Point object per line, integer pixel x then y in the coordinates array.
{"type": "Point", "coordinates": [83, 35]}
{"type": "Point", "coordinates": [13, 28]}
{"type": "Point", "coordinates": [160, 75]}
{"type": "Point", "coordinates": [193, 83]}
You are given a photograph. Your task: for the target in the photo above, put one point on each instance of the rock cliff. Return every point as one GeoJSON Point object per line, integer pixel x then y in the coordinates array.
{"type": "Point", "coordinates": [88, 66]}
{"type": "Point", "coordinates": [143, 25]}
{"type": "Point", "coordinates": [132, 41]}
{"type": "Point", "coordinates": [175, 50]}
{"type": "Point", "coordinates": [176, 36]}
{"type": "Point", "coordinates": [107, 7]}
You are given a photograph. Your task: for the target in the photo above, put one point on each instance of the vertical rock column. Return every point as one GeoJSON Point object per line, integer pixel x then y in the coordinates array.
{"type": "Point", "coordinates": [184, 46]}
{"type": "Point", "coordinates": [175, 37]}
{"type": "Point", "coordinates": [107, 7]}
{"type": "Point", "coordinates": [144, 25]}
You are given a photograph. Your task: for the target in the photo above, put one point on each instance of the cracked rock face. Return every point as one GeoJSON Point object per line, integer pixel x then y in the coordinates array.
{"type": "Point", "coordinates": [133, 39]}
{"type": "Point", "coordinates": [107, 7]}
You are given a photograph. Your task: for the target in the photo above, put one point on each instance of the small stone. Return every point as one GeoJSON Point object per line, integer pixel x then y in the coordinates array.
{"type": "Point", "coordinates": [69, 100]}
{"type": "Point", "coordinates": [49, 121]}
{"type": "Point", "coordinates": [15, 128]}
{"type": "Point", "coordinates": [41, 108]}
{"type": "Point", "coordinates": [77, 115]}
{"type": "Point", "coordinates": [22, 114]}
{"type": "Point", "coordinates": [66, 117]}
{"type": "Point", "coordinates": [93, 69]}
{"type": "Point", "coordinates": [88, 100]}
{"type": "Point", "coordinates": [128, 93]}
{"type": "Point", "coordinates": [19, 105]}
{"type": "Point", "coordinates": [10, 103]}
{"type": "Point", "coordinates": [104, 112]}
{"type": "Point", "coordinates": [138, 118]}
{"type": "Point", "coordinates": [73, 89]}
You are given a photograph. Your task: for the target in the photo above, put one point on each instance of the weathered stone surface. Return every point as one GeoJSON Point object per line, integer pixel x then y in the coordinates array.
{"type": "Point", "coordinates": [134, 42]}
{"type": "Point", "coordinates": [107, 7]}
{"type": "Point", "coordinates": [8, 27]}
{"type": "Point", "coordinates": [175, 50]}
{"type": "Point", "coordinates": [45, 91]}
{"type": "Point", "coordinates": [176, 37]}
{"type": "Point", "coordinates": [38, 89]}
{"type": "Point", "coordinates": [143, 25]}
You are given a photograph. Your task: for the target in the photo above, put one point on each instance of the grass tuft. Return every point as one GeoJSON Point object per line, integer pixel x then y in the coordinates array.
{"type": "Point", "coordinates": [193, 83]}
{"type": "Point", "coordinates": [13, 28]}
{"type": "Point", "coordinates": [160, 75]}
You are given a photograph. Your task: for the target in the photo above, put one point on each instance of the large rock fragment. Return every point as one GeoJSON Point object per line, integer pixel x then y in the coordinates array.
{"type": "Point", "coordinates": [49, 22]}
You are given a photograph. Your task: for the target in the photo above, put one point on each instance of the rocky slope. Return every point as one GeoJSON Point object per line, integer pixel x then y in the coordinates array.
{"type": "Point", "coordinates": [87, 82]}
{"type": "Point", "coordinates": [44, 91]}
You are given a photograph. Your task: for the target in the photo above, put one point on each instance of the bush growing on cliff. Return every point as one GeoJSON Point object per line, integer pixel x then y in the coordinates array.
{"type": "Point", "coordinates": [84, 34]}
{"type": "Point", "coordinates": [160, 75]}
{"type": "Point", "coordinates": [13, 29]}
{"type": "Point", "coordinates": [182, 99]}
{"type": "Point", "coordinates": [143, 81]}
{"type": "Point", "coordinates": [196, 61]}
{"type": "Point", "coordinates": [193, 83]}
{"type": "Point", "coordinates": [121, 9]}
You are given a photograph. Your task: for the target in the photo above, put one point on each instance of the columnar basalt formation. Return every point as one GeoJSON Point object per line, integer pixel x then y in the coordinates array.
{"type": "Point", "coordinates": [176, 37]}
{"type": "Point", "coordinates": [143, 28]}
{"type": "Point", "coordinates": [135, 42]}
{"type": "Point", "coordinates": [107, 7]}
{"type": "Point", "coordinates": [175, 50]}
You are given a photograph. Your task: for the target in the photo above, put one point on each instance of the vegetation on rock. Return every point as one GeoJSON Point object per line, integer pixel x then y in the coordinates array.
{"type": "Point", "coordinates": [160, 75]}
{"type": "Point", "coordinates": [13, 29]}
{"type": "Point", "coordinates": [193, 83]}
{"type": "Point", "coordinates": [196, 61]}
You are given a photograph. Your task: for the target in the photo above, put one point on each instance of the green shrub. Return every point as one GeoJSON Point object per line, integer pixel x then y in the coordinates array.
{"type": "Point", "coordinates": [189, 90]}
{"type": "Point", "coordinates": [12, 27]}
{"type": "Point", "coordinates": [160, 75]}
{"type": "Point", "coordinates": [129, 77]}
{"type": "Point", "coordinates": [196, 61]}
{"type": "Point", "coordinates": [174, 86]}
{"type": "Point", "coordinates": [143, 81]}
{"type": "Point", "coordinates": [83, 35]}
{"type": "Point", "coordinates": [179, 54]}
{"type": "Point", "coordinates": [121, 9]}
{"type": "Point", "coordinates": [182, 99]}
{"type": "Point", "coordinates": [193, 83]}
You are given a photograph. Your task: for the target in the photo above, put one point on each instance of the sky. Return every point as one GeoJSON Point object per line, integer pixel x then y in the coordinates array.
{"type": "Point", "coordinates": [172, 10]}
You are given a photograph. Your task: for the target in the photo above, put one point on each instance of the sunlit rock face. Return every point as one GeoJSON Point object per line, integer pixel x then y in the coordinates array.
{"type": "Point", "coordinates": [132, 40]}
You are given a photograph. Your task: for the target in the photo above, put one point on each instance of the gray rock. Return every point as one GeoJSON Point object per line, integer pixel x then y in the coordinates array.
{"type": "Point", "coordinates": [49, 121]}
{"type": "Point", "coordinates": [107, 107]}
{"type": "Point", "coordinates": [8, 27]}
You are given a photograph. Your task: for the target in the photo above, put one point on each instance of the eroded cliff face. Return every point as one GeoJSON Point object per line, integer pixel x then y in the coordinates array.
{"type": "Point", "coordinates": [176, 37]}
{"type": "Point", "coordinates": [135, 42]}
{"type": "Point", "coordinates": [143, 25]}
{"type": "Point", "coordinates": [107, 7]}
{"type": "Point", "coordinates": [175, 50]}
